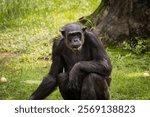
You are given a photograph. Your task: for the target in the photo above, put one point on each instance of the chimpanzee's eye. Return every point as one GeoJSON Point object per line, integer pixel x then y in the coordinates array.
{"type": "Point", "coordinates": [71, 36]}
{"type": "Point", "coordinates": [78, 34]}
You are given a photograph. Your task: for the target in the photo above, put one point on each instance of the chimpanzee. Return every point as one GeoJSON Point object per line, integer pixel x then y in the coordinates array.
{"type": "Point", "coordinates": [80, 66]}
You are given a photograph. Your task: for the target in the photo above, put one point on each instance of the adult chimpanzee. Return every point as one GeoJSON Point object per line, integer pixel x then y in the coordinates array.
{"type": "Point", "coordinates": [80, 66]}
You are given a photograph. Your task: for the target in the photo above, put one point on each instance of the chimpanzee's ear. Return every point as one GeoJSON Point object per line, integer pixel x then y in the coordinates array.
{"type": "Point", "coordinates": [62, 32]}
{"type": "Point", "coordinates": [84, 28]}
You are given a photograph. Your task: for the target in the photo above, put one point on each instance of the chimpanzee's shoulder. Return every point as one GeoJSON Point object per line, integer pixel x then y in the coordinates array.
{"type": "Point", "coordinates": [92, 38]}
{"type": "Point", "coordinates": [58, 45]}
{"type": "Point", "coordinates": [58, 41]}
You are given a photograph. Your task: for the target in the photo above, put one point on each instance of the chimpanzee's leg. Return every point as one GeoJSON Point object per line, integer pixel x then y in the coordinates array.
{"type": "Point", "coordinates": [95, 87]}
{"type": "Point", "coordinates": [64, 87]}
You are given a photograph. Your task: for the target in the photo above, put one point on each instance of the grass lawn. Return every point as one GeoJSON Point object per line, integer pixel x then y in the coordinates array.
{"type": "Point", "coordinates": [26, 31]}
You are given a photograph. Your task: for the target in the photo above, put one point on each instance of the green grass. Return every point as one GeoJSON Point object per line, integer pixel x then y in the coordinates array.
{"type": "Point", "coordinates": [27, 28]}
{"type": "Point", "coordinates": [23, 77]}
{"type": "Point", "coordinates": [128, 79]}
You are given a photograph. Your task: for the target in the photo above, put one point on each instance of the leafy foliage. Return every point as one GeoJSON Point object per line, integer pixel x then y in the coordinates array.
{"type": "Point", "coordinates": [139, 46]}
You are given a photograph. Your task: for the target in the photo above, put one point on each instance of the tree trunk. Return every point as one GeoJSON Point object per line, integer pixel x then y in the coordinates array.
{"type": "Point", "coordinates": [118, 20]}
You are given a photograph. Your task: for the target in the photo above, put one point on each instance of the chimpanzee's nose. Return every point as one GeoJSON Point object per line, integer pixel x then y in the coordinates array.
{"type": "Point", "coordinates": [76, 40]}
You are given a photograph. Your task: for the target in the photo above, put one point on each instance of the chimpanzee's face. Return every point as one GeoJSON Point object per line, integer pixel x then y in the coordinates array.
{"type": "Point", "coordinates": [75, 40]}
{"type": "Point", "coordinates": [74, 36]}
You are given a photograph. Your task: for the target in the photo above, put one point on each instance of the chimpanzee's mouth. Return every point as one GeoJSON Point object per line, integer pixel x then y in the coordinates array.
{"type": "Point", "coordinates": [76, 47]}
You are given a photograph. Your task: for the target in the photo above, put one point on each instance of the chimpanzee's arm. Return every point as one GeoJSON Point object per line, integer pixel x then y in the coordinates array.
{"type": "Point", "coordinates": [99, 64]}
{"type": "Point", "coordinates": [50, 81]}
{"type": "Point", "coordinates": [102, 67]}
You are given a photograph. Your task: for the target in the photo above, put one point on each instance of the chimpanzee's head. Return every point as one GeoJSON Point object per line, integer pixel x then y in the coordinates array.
{"type": "Point", "coordinates": [74, 35]}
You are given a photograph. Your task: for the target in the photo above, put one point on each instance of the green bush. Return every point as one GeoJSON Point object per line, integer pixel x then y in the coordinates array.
{"type": "Point", "coordinates": [137, 47]}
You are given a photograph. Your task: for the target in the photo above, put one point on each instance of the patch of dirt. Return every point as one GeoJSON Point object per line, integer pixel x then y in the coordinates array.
{"type": "Point", "coordinates": [8, 55]}
{"type": "Point", "coordinates": [32, 82]}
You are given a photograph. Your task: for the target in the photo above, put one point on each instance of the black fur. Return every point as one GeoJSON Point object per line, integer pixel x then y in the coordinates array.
{"type": "Point", "coordinates": [83, 73]}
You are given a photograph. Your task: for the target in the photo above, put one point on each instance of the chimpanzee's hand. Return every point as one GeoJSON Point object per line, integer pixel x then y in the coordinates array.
{"type": "Point", "coordinates": [73, 77]}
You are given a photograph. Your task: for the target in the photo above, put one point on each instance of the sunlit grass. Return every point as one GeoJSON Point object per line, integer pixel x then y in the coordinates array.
{"type": "Point", "coordinates": [128, 79]}
{"type": "Point", "coordinates": [28, 25]}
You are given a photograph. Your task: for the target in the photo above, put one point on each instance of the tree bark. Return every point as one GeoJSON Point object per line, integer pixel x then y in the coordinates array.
{"type": "Point", "coordinates": [118, 20]}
